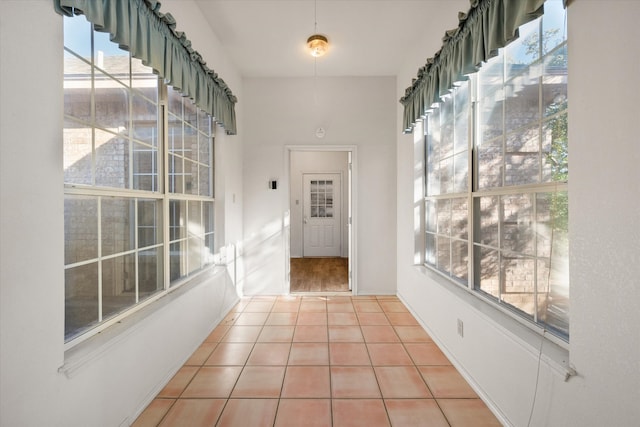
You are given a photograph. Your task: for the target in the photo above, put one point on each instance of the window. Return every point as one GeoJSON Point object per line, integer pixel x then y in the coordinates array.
{"type": "Point", "coordinates": [496, 201]}
{"type": "Point", "coordinates": [138, 171]}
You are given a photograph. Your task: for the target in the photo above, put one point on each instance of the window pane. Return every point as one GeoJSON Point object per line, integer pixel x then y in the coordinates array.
{"type": "Point", "coordinates": [446, 175]}
{"type": "Point", "coordinates": [208, 216]}
{"type": "Point", "coordinates": [432, 153]}
{"type": "Point", "coordinates": [111, 104]}
{"type": "Point", "coordinates": [491, 96]}
{"type": "Point", "coordinates": [150, 272]}
{"type": "Point", "coordinates": [77, 36]}
{"type": "Point", "coordinates": [444, 217]}
{"type": "Point", "coordinates": [118, 284]}
{"type": "Point", "coordinates": [518, 289]}
{"type": "Point", "coordinates": [553, 25]}
{"type": "Point", "coordinates": [145, 163]}
{"type": "Point", "coordinates": [190, 113]}
{"type": "Point", "coordinates": [80, 299]}
{"type": "Point", "coordinates": [553, 270]}
{"type": "Point", "coordinates": [195, 219]}
{"type": "Point", "coordinates": [444, 254]}
{"type": "Point", "coordinates": [77, 153]}
{"type": "Point", "coordinates": [522, 102]}
{"type": "Point", "coordinates": [461, 172]}
{"type": "Point", "coordinates": [176, 179]}
{"type": "Point", "coordinates": [433, 176]}
{"type": "Point", "coordinates": [517, 224]}
{"type": "Point", "coordinates": [110, 58]}
{"type": "Point", "coordinates": [490, 164]}
{"type": "Point", "coordinates": [204, 174]}
{"type": "Point", "coordinates": [175, 136]}
{"type": "Point", "coordinates": [209, 249]}
{"type": "Point", "coordinates": [553, 298]}
{"type": "Point", "coordinates": [204, 145]}
{"type": "Point", "coordinates": [145, 120]}
{"type": "Point", "coordinates": [459, 260]}
{"type": "Point", "coordinates": [204, 123]}
{"type": "Point", "coordinates": [554, 82]}
{"type": "Point", "coordinates": [77, 89]}
{"type": "Point", "coordinates": [522, 158]}
{"type": "Point", "coordinates": [177, 219]}
{"type": "Point", "coordinates": [80, 228]}
{"type": "Point", "coordinates": [190, 143]}
{"type": "Point", "coordinates": [523, 51]}
{"type": "Point", "coordinates": [555, 146]}
{"type": "Point", "coordinates": [486, 211]}
{"type": "Point", "coordinates": [430, 249]}
{"type": "Point", "coordinates": [112, 160]}
{"type": "Point", "coordinates": [431, 219]}
{"type": "Point", "coordinates": [462, 117]}
{"type": "Point", "coordinates": [175, 103]}
{"type": "Point", "coordinates": [487, 269]}
{"type": "Point", "coordinates": [190, 177]}
{"type": "Point", "coordinates": [196, 245]}
{"type": "Point", "coordinates": [459, 218]}
{"type": "Point", "coordinates": [177, 261]}
{"type": "Point", "coordinates": [149, 223]}
{"type": "Point", "coordinates": [144, 80]}
{"type": "Point", "coordinates": [446, 128]}
{"type": "Point", "coordinates": [117, 222]}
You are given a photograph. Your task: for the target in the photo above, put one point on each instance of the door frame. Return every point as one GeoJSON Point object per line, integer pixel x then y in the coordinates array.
{"type": "Point", "coordinates": [351, 207]}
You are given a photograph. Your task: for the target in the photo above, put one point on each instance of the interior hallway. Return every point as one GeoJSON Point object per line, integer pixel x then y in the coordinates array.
{"type": "Point", "coordinates": [317, 361]}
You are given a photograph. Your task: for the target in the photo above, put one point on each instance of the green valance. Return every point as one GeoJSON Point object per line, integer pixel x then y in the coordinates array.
{"type": "Point", "coordinates": [485, 28]}
{"type": "Point", "coordinates": [139, 27]}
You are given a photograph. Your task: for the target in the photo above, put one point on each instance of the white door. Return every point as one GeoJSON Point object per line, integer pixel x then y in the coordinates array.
{"type": "Point", "coordinates": [321, 215]}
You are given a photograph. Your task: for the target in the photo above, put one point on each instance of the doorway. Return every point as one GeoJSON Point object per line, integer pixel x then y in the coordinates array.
{"type": "Point", "coordinates": [320, 250]}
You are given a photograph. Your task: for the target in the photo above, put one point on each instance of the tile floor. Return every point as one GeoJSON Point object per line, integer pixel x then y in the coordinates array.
{"type": "Point", "coordinates": [317, 361]}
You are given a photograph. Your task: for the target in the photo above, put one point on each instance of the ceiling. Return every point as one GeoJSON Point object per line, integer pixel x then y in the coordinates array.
{"type": "Point", "coordinates": [267, 38]}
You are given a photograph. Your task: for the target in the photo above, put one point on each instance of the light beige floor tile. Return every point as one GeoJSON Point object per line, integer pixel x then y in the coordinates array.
{"type": "Point", "coordinates": [304, 412]}
{"type": "Point", "coordinates": [359, 413]}
{"type": "Point", "coordinates": [193, 413]}
{"type": "Point", "coordinates": [248, 412]}
{"type": "Point", "coordinates": [415, 412]}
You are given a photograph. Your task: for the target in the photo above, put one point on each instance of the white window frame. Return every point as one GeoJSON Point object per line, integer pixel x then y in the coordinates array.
{"type": "Point", "coordinates": [472, 193]}
{"type": "Point", "coordinates": [160, 193]}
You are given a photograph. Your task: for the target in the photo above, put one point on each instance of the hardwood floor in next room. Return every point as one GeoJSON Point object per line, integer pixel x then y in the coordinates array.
{"type": "Point", "coordinates": [319, 275]}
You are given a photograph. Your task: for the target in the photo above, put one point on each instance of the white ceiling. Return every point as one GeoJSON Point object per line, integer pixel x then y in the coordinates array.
{"type": "Point", "coordinates": [266, 38]}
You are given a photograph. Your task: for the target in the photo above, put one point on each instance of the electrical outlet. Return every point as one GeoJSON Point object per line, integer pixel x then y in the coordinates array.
{"type": "Point", "coordinates": [460, 328]}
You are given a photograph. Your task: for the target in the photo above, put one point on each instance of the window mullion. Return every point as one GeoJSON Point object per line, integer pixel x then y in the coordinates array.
{"type": "Point", "coordinates": [472, 178]}
{"type": "Point", "coordinates": [99, 258]}
{"type": "Point", "coordinates": [163, 145]}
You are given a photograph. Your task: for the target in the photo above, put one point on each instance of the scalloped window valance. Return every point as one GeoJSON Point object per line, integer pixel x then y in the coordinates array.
{"type": "Point", "coordinates": [139, 27]}
{"type": "Point", "coordinates": [488, 26]}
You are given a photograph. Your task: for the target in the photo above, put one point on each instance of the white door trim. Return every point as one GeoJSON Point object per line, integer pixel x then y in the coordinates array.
{"type": "Point", "coordinates": [286, 185]}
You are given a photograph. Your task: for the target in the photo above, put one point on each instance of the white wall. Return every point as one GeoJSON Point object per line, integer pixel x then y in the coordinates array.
{"type": "Point", "coordinates": [287, 111]}
{"type": "Point", "coordinates": [105, 381]}
{"type": "Point", "coordinates": [604, 64]}
{"type": "Point", "coordinates": [316, 162]}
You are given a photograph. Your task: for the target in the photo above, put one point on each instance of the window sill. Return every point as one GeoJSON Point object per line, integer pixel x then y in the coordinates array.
{"type": "Point", "coordinates": [85, 352]}
{"type": "Point", "coordinates": [551, 350]}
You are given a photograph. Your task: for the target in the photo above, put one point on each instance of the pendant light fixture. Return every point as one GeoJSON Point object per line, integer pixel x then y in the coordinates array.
{"type": "Point", "coordinates": [317, 43]}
